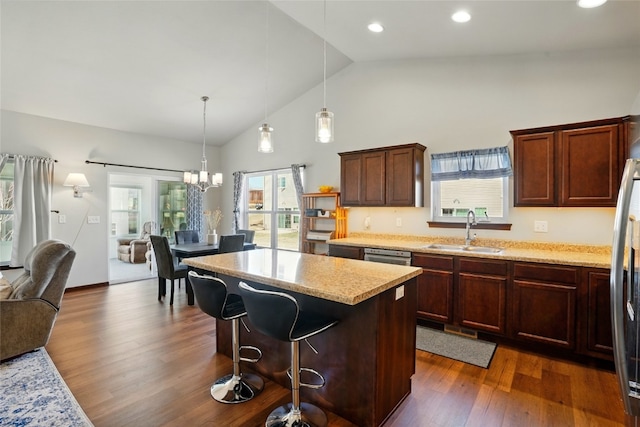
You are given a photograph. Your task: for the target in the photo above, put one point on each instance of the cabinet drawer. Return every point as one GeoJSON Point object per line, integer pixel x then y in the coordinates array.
{"type": "Point", "coordinates": [351, 252]}
{"type": "Point", "coordinates": [546, 273]}
{"type": "Point", "coordinates": [483, 266]}
{"type": "Point", "coordinates": [436, 262]}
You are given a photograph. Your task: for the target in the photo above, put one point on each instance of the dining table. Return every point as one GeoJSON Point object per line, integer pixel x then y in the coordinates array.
{"type": "Point", "coordinates": [190, 250]}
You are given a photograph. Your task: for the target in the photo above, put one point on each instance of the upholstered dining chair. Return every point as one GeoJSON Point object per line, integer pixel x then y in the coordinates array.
{"type": "Point", "coordinates": [168, 267]}
{"type": "Point", "coordinates": [231, 243]}
{"type": "Point", "coordinates": [248, 235]}
{"type": "Point", "coordinates": [186, 236]}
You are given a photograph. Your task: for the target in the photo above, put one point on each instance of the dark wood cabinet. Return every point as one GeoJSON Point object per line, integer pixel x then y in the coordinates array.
{"type": "Point", "coordinates": [435, 287]}
{"type": "Point", "coordinates": [544, 304]}
{"type": "Point", "coordinates": [387, 176]}
{"type": "Point", "coordinates": [595, 305]}
{"type": "Point", "coordinates": [577, 164]}
{"type": "Point", "coordinates": [482, 294]}
{"type": "Point", "coordinates": [350, 252]}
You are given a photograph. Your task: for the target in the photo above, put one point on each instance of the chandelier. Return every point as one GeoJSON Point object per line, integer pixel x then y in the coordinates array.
{"type": "Point", "coordinates": [201, 179]}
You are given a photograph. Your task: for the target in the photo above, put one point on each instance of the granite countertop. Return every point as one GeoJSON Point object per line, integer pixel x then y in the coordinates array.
{"type": "Point", "coordinates": [551, 253]}
{"type": "Point", "coordinates": [335, 279]}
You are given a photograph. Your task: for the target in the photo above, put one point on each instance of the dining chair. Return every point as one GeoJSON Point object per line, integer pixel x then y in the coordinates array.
{"type": "Point", "coordinates": [168, 267]}
{"type": "Point", "coordinates": [231, 243]}
{"type": "Point", "coordinates": [248, 235]}
{"type": "Point", "coordinates": [186, 236]}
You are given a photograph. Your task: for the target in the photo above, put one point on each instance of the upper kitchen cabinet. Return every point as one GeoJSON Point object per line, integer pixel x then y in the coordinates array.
{"type": "Point", "coordinates": [577, 164]}
{"type": "Point", "coordinates": [386, 176]}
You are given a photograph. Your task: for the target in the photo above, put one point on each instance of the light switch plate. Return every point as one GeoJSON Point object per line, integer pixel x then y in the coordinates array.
{"type": "Point", "coordinates": [93, 219]}
{"type": "Point", "coordinates": [399, 292]}
{"type": "Point", "coordinates": [62, 219]}
{"type": "Point", "coordinates": [540, 226]}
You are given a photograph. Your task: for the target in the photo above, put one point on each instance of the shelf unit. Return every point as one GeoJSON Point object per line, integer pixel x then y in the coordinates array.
{"type": "Point", "coordinates": [333, 223]}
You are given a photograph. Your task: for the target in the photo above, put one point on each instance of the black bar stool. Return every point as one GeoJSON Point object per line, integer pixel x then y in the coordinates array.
{"type": "Point", "coordinates": [278, 315]}
{"type": "Point", "coordinates": [212, 297]}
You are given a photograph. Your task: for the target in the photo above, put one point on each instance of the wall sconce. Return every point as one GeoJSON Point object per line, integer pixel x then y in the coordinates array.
{"type": "Point", "coordinates": [76, 180]}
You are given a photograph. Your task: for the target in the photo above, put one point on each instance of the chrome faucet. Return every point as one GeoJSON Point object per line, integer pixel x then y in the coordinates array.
{"type": "Point", "coordinates": [469, 238]}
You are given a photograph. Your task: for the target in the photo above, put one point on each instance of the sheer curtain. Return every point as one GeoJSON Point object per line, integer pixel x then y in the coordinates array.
{"type": "Point", "coordinates": [481, 164]}
{"type": "Point", "coordinates": [33, 184]}
{"type": "Point", "coordinates": [238, 184]}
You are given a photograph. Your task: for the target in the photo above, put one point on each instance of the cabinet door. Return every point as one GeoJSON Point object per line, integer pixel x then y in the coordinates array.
{"type": "Point", "coordinates": [534, 175]}
{"type": "Point", "coordinates": [402, 174]}
{"type": "Point", "coordinates": [597, 339]}
{"type": "Point", "coordinates": [350, 179]}
{"type": "Point", "coordinates": [435, 295]}
{"type": "Point", "coordinates": [482, 294]}
{"type": "Point", "coordinates": [590, 165]}
{"type": "Point", "coordinates": [544, 304]}
{"type": "Point", "coordinates": [372, 183]}
{"type": "Point", "coordinates": [435, 287]}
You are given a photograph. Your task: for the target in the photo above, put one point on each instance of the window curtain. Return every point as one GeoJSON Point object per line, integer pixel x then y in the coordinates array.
{"type": "Point", "coordinates": [296, 174]}
{"type": "Point", "coordinates": [3, 160]}
{"type": "Point", "coordinates": [195, 213]}
{"type": "Point", "coordinates": [478, 164]}
{"type": "Point", "coordinates": [238, 184]}
{"type": "Point", "coordinates": [33, 184]}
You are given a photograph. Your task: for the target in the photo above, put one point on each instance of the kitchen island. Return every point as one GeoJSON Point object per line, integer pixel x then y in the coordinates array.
{"type": "Point", "coordinates": [368, 358]}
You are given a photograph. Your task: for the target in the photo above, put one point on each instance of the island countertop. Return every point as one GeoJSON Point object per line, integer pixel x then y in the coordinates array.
{"type": "Point", "coordinates": [340, 280]}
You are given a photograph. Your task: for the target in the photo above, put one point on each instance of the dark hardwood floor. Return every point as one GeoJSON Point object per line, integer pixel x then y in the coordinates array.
{"type": "Point", "coordinates": [133, 361]}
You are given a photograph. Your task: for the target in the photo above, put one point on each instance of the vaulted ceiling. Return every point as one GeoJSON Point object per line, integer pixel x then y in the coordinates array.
{"type": "Point", "coordinates": [142, 66]}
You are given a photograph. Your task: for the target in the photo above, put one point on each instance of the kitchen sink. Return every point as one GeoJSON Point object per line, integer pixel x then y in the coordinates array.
{"type": "Point", "coordinates": [464, 248]}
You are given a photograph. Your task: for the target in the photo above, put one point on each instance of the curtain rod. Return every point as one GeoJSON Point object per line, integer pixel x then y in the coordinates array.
{"type": "Point", "coordinates": [274, 169]}
{"type": "Point", "coordinates": [104, 164]}
{"type": "Point", "coordinates": [13, 156]}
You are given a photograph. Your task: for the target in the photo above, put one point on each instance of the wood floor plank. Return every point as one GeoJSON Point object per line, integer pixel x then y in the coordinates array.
{"type": "Point", "coordinates": [133, 361]}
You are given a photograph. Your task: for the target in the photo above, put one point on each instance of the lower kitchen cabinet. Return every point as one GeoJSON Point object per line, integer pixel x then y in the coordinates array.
{"type": "Point", "coordinates": [595, 330]}
{"type": "Point", "coordinates": [544, 304]}
{"type": "Point", "coordinates": [435, 287]}
{"type": "Point", "coordinates": [482, 294]}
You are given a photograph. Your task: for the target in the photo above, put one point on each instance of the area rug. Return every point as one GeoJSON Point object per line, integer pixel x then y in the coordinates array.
{"type": "Point", "coordinates": [34, 394]}
{"type": "Point", "coordinates": [467, 350]}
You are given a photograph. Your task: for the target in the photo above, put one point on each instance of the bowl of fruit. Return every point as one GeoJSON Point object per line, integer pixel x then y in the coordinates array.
{"type": "Point", "coordinates": [325, 188]}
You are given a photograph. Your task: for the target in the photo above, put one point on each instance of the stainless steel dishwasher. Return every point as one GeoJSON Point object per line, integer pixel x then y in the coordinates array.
{"type": "Point", "coordinates": [387, 256]}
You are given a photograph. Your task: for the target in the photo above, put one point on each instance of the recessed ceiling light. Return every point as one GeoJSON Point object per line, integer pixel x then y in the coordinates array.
{"type": "Point", "coordinates": [588, 4]}
{"type": "Point", "coordinates": [461, 16]}
{"type": "Point", "coordinates": [375, 27]}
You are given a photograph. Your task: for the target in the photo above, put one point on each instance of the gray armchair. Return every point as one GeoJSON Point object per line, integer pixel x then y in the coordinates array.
{"type": "Point", "coordinates": [28, 315]}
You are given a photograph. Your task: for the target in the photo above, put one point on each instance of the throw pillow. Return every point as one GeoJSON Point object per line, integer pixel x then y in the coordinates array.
{"type": "Point", "coordinates": [5, 288]}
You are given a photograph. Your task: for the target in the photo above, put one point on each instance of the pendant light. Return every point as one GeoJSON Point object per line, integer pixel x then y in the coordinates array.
{"type": "Point", "coordinates": [201, 179]}
{"type": "Point", "coordinates": [324, 118]}
{"type": "Point", "coordinates": [265, 144]}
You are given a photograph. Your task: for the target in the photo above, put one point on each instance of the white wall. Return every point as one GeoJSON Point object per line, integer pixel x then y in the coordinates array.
{"type": "Point", "coordinates": [448, 105]}
{"type": "Point", "coordinates": [71, 144]}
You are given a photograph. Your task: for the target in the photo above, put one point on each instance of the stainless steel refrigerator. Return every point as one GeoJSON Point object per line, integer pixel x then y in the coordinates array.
{"type": "Point", "coordinates": [625, 287]}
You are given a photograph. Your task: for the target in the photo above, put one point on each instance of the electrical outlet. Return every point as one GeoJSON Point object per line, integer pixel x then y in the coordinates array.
{"type": "Point", "coordinates": [62, 219]}
{"type": "Point", "coordinates": [540, 226]}
{"type": "Point", "coordinates": [93, 219]}
{"type": "Point", "coordinates": [398, 222]}
{"type": "Point", "coordinates": [399, 292]}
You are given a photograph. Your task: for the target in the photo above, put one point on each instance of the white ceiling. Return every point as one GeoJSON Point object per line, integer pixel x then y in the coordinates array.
{"type": "Point", "coordinates": [142, 66]}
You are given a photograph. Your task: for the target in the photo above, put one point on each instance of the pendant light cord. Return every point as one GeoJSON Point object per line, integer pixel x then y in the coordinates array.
{"type": "Point", "coordinates": [266, 66]}
{"type": "Point", "coordinates": [324, 47]}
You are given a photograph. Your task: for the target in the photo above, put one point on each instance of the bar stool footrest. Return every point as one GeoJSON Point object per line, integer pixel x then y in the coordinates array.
{"type": "Point", "coordinates": [309, 385]}
{"type": "Point", "coordinates": [252, 348]}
